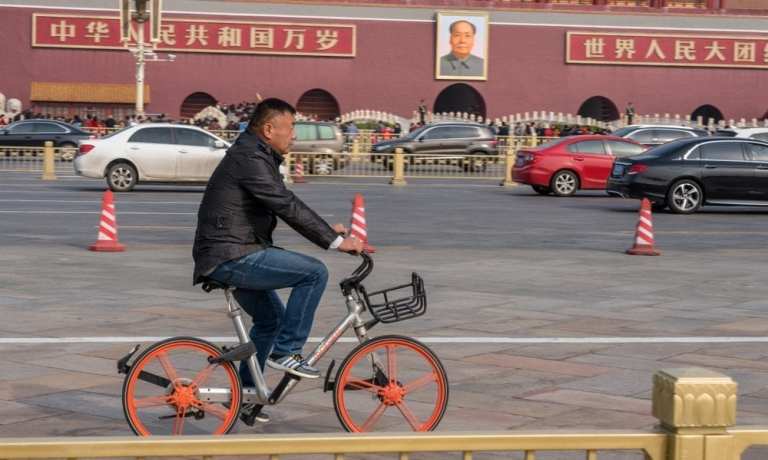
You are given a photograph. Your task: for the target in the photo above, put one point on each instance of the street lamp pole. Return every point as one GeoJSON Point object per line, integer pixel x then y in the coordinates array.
{"type": "Point", "coordinates": [140, 62]}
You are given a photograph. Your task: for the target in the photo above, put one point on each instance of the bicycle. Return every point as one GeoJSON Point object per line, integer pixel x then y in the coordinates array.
{"type": "Point", "coordinates": [166, 392]}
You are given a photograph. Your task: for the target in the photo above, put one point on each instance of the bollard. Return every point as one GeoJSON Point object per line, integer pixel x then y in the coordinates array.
{"type": "Point", "coordinates": [49, 170]}
{"type": "Point", "coordinates": [355, 149]}
{"type": "Point", "coordinates": [509, 163]}
{"type": "Point", "coordinates": [398, 177]}
{"type": "Point", "coordinates": [287, 160]}
{"type": "Point", "coordinates": [695, 407]}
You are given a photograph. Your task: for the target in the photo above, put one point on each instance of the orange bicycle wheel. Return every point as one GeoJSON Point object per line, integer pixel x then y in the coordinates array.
{"type": "Point", "coordinates": [388, 381]}
{"type": "Point", "coordinates": [172, 389]}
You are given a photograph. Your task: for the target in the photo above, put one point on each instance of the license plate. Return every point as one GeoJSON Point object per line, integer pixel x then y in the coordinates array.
{"type": "Point", "coordinates": [618, 170]}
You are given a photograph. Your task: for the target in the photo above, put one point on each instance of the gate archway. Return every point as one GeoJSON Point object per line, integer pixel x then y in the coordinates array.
{"type": "Point", "coordinates": [319, 103]}
{"type": "Point", "coordinates": [460, 97]}
{"type": "Point", "coordinates": [600, 108]}
{"type": "Point", "coordinates": [196, 102]}
{"type": "Point", "coordinates": [706, 112]}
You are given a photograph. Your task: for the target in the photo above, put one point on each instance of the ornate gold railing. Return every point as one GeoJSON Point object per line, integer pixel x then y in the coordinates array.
{"type": "Point", "coordinates": [653, 445]}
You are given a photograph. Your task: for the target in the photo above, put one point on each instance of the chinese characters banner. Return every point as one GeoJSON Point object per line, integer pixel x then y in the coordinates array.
{"type": "Point", "coordinates": [667, 50]}
{"type": "Point", "coordinates": [198, 36]}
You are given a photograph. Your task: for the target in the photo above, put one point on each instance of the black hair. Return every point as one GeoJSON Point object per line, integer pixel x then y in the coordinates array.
{"type": "Point", "coordinates": [453, 24]}
{"type": "Point", "coordinates": [268, 109]}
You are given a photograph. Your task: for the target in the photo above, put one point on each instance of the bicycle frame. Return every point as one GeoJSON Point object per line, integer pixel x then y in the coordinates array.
{"type": "Point", "coordinates": [260, 393]}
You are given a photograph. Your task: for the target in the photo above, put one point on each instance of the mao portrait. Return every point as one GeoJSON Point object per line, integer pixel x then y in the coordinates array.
{"type": "Point", "coordinates": [462, 46]}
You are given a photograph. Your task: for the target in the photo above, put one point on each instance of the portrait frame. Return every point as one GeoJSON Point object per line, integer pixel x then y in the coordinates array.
{"type": "Point", "coordinates": [443, 21]}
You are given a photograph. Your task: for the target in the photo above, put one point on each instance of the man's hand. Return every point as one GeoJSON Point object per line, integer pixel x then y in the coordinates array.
{"type": "Point", "coordinates": [340, 229]}
{"type": "Point", "coordinates": [351, 245]}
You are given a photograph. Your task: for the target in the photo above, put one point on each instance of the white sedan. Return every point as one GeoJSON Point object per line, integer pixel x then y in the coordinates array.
{"type": "Point", "coordinates": [153, 152]}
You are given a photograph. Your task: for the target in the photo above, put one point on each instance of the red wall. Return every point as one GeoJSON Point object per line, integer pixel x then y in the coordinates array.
{"type": "Point", "coordinates": [393, 69]}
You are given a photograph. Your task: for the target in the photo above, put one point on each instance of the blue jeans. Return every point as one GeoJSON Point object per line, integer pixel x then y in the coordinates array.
{"type": "Point", "coordinates": [277, 328]}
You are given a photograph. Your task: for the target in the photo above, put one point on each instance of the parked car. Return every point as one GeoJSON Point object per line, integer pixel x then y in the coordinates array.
{"type": "Point", "coordinates": [760, 134]}
{"type": "Point", "coordinates": [653, 135]}
{"type": "Point", "coordinates": [443, 139]}
{"type": "Point", "coordinates": [151, 153]}
{"type": "Point", "coordinates": [688, 173]}
{"type": "Point", "coordinates": [34, 133]}
{"type": "Point", "coordinates": [324, 141]}
{"type": "Point", "coordinates": [565, 165]}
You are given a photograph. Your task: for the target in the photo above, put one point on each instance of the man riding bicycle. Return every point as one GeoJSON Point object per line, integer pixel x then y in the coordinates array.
{"type": "Point", "coordinates": [233, 243]}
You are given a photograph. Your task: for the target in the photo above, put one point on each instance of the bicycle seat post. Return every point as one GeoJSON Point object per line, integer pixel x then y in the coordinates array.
{"type": "Point", "coordinates": [236, 313]}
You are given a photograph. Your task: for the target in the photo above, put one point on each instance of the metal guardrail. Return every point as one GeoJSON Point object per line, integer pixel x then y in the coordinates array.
{"type": "Point", "coordinates": [32, 159]}
{"type": "Point", "coordinates": [415, 166]}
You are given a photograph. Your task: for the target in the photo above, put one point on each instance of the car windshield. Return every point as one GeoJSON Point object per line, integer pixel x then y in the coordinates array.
{"type": "Point", "coordinates": [553, 142]}
{"type": "Point", "coordinates": [114, 133]}
{"type": "Point", "coordinates": [667, 149]}
{"type": "Point", "coordinates": [621, 132]}
{"type": "Point", "coordinates": [413, 134]}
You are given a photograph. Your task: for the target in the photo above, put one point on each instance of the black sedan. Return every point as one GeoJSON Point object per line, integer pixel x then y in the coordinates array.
{"type": "Point", "coordinates": [34, 133]}
{"type": "Point", "coordinates": [688, 173]}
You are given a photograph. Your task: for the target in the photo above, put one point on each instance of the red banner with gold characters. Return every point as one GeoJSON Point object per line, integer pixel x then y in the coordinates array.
{"type": "Point", "coordinates": [729, 51]}
{"type": "Point", "coordinates": [199, 36]}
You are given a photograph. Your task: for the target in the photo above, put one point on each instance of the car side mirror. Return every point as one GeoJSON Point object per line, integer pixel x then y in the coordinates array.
{"type": "Point", "coordinates": [4, 132]}
{"type": "Point", "coordinates": [219, 145]}
{"type": "Point", "coordinates": [421, 139]}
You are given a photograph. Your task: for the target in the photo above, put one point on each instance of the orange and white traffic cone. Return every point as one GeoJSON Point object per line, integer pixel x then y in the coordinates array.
{"type": "Point", "coordinates": [298, 172]}
{"type": "Point", "coordinates": [358, 227]}
{"type": "Point", "coordinates": [644, 233]}
{"type": "Point", "coordinates": [106, 240]}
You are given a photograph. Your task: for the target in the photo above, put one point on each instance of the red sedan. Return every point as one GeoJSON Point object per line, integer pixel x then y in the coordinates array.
{"type": "Point", "coordinates": [571, 163]}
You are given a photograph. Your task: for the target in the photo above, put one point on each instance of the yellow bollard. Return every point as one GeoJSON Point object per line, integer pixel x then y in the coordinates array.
{"type": "Point", "coordinates": [509, 164]}
{"type": "Point", "coordinates": [49, 170]}
{"type": "Point", "coordinates": [398, 178]}
{"type": "Point", "coordinates": [355, 148]}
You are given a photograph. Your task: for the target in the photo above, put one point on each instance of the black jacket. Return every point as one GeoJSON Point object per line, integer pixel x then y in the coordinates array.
{"type": "Point", "coordinates": [240, 205]}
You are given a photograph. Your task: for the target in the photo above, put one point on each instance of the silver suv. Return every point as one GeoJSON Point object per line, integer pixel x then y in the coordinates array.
{"type": "Point", "coordinates": [324, 141]}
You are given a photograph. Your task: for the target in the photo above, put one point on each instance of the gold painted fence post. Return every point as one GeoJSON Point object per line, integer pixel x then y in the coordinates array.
{"type": "Point", "coordinates": [399, 169]}
{"type": "Point", "coordinates": [696, 407]}
{"type": "Point", "coordinates": [49, 170]}
{"type": "Point", "coordinates": [509, 163]}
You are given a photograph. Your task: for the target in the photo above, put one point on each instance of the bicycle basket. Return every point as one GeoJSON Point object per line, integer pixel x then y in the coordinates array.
{"type": "Point", "coordinates": [398, 303]}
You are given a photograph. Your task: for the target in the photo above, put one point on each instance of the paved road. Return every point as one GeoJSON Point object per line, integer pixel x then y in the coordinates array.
{"type": "Point", "coordinates": [498, 263]}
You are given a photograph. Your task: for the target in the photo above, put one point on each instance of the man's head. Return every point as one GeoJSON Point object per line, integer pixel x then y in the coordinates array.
{"type": "Point", "coordinates": [462, 38]}
{"type": "Point", "coordinates": [272, 120]}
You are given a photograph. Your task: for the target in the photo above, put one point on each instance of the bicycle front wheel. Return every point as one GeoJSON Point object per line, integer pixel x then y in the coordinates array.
{"type": "Point", "coordinates": [389, 380]}
{"type": "Point", "coordinates": [172, 389]}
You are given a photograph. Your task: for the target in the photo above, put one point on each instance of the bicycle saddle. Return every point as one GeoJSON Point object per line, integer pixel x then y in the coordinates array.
{"type": "Point", "coordinates": [210, 285]}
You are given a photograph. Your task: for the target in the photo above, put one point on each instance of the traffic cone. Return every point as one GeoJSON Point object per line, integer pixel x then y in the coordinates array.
{"type": "Point", "coordinates": [358, 228]}
{"type": "Point", "coordinates": [298, 172]}
{"type": "Point", "coordinates": [106, 240]}
{"type": "Point", "coordinates": [644, 233]}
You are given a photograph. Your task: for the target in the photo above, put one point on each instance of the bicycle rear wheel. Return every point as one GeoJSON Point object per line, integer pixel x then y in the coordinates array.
{"type": "Point", "coordinates": [388, 380]}
{"type": "Point", "coordinates": [171, 389]}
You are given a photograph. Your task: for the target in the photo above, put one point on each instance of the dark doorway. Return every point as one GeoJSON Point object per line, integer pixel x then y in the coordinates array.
{"type": "Point", "coordinates": [706, 112]}
{"type": "Point", "coordinates": [460, 97]}
{"type": "Point", "coordinates": [600, 108]}
{"type": "Point", "coordinates": [194, 103]}
{"type": "Point", "coordinates": [318, 104]}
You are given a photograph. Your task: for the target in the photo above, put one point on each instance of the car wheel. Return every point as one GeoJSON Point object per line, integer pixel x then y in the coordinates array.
{"type": "Point", "coordinates": [541, 190]}
{"type": "Point", "coordinates": [564, 183]}
{"type": "Point", "coordinates": [122, 177]}
{"type": "Point", "coordinates": [685, 197]}
{"type": "Point", "coordinates": [68, 151]}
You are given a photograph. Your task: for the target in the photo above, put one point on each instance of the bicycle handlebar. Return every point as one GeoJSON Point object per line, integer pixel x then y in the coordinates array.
{"type": "Point", "coordinates": [358, 275]}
